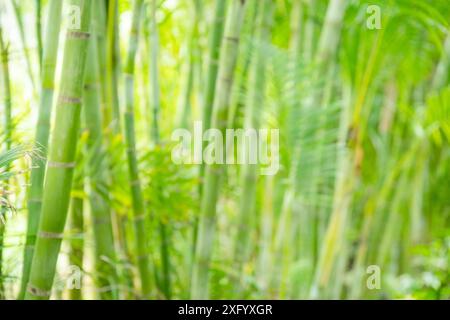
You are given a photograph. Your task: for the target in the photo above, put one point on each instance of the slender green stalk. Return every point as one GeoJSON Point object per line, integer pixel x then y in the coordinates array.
{"type": "Point", "coordinates": [100, 25]}
{"type": "Point", "coordinates": [330, 35]}
{"type": "Point", "coordinates": [200, 272]}
{"type": "Point", "coordinates": [105, 257]}
{"type": "Point", "coordinates": [309, 28]}
{"type": "Point", "coordinates": [155, 136]}
{"type": "Point", "coordinates": [20, 24]}
{"type": "Point", "coordinates": [296, 30]}
{"type": "Point", "coordinates": [114, 131]}
{"type": "Point", "coordinates": [287, 225]}
{"type": "Point", "coordinates": [185, 105]}
{"type": "Point", "coordinates": [60, 165]}
{"type": "Point", "coordinates": [135, 183]}
{"type": "Point", "coordinates": [8, 127]}
{"type": "Point", "coordinates": [154, 72]}
{"type": "Point", "coordinates": [264, 268]}
{"type": "Point", "coordinates": [41, 135]}
{"type": "Point", "coordinates": [213, 60]}
{"type": "Point", "coordinates": [252, 121]}
{"type": "Point", "coordinates": [113, 67]}
{"type": "Point", "coordinates": [237, 104]}
{"type": "Point", "coordinates": [76, 218]}
{"type": "Point", "coordinates": [215, 42]}
{"type": "Point", "coordinates": [328, 45]}
{"type": "Point", "coordinates": [213, 68]}
{"type": "Point", "coordinates": [38, 9]}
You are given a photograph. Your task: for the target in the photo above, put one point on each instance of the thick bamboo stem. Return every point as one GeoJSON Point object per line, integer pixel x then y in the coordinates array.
{"type": "Point", "coordinates": [42, 135]}
{"type": "Point", "coordinates": [60, 165]}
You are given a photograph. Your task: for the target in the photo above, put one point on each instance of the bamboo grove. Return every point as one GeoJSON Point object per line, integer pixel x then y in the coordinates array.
{"type": "Point", "coordinates": [94, 205]}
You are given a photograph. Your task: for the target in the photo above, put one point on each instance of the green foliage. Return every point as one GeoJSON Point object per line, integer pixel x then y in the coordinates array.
{"type": "Point", "coordinates": [364, 121]}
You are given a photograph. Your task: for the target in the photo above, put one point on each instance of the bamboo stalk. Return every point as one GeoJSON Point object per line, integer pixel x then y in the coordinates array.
{"type": "Point", "coordinates": [252, 121]}
{"type": "Point", "coordinates": [135, 184]}
{"type": "Point", "coordinates": [60, 166]}
{"type": "Point", "coordinates": [155, 136]}
{"type": "Point", "coordinates": [309, 30]}
{"type": "Point", "coordinates": [204, 245]}
{"type": "Point", "coordinates": [237, 104]}
{"type": "Point", "coordinates": [8, 127]}
{"type": "Point", "coordinates": [77, 230]}
{"type": "Point", "coordinates": [114, 132]}
{"type": "Point", "coordinates": [38, 8]}
{"type": "Point", "coordinates": [213, 60]}
{"type": "Point", "coordinates": [215, 42]}
{"type": "Point", "coordinates": [105, 257]}
{"type": "Point", "coordinates": [185, 102]}
{"type": "Point", "coordinates": [41, 135]}
{"type": "Point", "coordinates": [154, 72]}
{"type": "Point", "coordinates": [328, 44]}
{"type": "Point", "coordinates": [113, 67]}
{"type": "Point", "coordinates": [18, 16]}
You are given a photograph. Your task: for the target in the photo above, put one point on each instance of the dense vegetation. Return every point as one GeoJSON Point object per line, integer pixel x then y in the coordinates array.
{"type": "Point", "coordinates": [94, 205]}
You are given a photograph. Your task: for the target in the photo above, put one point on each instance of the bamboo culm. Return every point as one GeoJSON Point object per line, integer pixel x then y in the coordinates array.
{"type": "Point", "coordinates": [60, 165]}
{"type": "Point", "coordinates": [42, 135]}
{"type": "Point", "coordinates": [205, 238]}
{"type": "Point", "coordinates": [130, 139]}
{"type": "Point", "coordinates": [8, 127]}
{"type": "Point", "coordinates": [76, 218]}
{"type": "Point", "coordinates": [105, 257]}
{"type": "Point", "coordinates": [252, 121]}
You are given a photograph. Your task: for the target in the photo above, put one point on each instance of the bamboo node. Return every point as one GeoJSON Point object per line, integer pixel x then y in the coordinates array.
{"type": "Point", "coordinates": [142, 257]}
{"type": "Point", "coordinates": [54, 164]}
{"type": "Point", "coordinates": [35, 200]}
{"type": "Point", "coordinates": [140, 217]}
{"type": "Point", "coordinates": [136, 182]}
{"type": "Point", "coordinates": [70, 100]}
{"type": "Point", "coordinates": [98, 221]}
{"type": "Point", "coordinates": [50, 235]}
{"type": "Point", "coordinates": [72, 34]}
{"type": "Point", "coordinates": [38, 292]}
{"type": "Point", "coordinates": [233, 39]}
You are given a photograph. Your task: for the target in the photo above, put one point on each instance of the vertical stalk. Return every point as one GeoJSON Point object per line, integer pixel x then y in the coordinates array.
{"type": "Point", "coordinates": [61, 164]}
{"type": "Point", "coordinates": [41, 135]}
{"type": "Point", "coordinates": [135, 183]}
{"type": "Point", "coordinates": [328, 45]}
{"type": "Point", "coordinates": [105, 258]}
{"type": "Point", "coordinates": [237, 103]}
{"type": "Point", "coordinates": [154, 73]}
{"type": "Point", "coordinates": [18, 16]}
{"type": "Point", "coordinates": [252, 121]}
{"type": "Point", "coordinates": [308, 43]}
{"type": "Point", "coordinates": [77, 229]}
{"type": "Point", "coordinates": [100, 25]}
{"type": "Point", "coordinates": [8, 127]}
{"type": "Point", "coordinates": [185, 105]}
{"type": "Point", "coordinates": [228, 59]}
{"type": "Point", "coordinates": [114, 131]}
{"type": "Point", "coordinates": [38, 8]}
{"type": "Point", "coordinates": [213, 60]}
{"type": "Point", "coordinates": [112, 67]}
{"type": "Point", "coordinates": [155, 136]}
{"type": "Point", "coordinates": [215, 42]}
